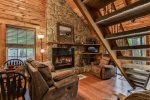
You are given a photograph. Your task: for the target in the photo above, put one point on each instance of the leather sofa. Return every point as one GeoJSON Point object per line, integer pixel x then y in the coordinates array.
{"type": "Point", "coordinates": [63, 85]}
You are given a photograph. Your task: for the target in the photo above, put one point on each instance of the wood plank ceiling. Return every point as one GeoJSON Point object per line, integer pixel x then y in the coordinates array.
{"type": "Point", "coordinates": [24, 11]}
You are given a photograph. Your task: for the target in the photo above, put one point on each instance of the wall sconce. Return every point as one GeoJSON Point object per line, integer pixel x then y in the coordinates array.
{"type": "Point", "coordinates": [41, 36]}
{"type": "Point", "coordinates": [42, 50]}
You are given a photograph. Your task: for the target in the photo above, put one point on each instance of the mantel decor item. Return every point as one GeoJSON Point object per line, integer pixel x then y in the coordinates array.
{"type": "Point", "coordinates": [65, 33]}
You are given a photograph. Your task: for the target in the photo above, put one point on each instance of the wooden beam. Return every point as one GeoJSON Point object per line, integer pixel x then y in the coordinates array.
{"type": "Point", "coordinates": [98, 31]}
{"type": "Point", "coordinates": [20, 46]}
{"type": "Point", "coordinates": [134, 58]}
{"type": "Point", "coordinates": [135, 10]}
{"type": "Point", "coordinates": [98, 4]}
{"type": "Point", "coordinates": [131, 47]}
{"type": "Point", "coordinates": [2, 44]}
{"type": "Point", "coordinates": [131, 33]}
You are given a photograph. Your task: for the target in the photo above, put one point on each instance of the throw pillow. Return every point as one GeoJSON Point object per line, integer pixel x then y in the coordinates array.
{"type": "Point", "coordinates": [50, 65]}
{"type": "Point", "coordinates": [35, 63]}
{"type": "Point", "coordinates": [46, 73]}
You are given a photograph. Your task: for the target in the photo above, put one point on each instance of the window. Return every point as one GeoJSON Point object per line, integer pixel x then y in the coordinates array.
{"type": "Point", "coordinates": [20, 43]}
{"type": "Point", "coordinates": [139, 52]}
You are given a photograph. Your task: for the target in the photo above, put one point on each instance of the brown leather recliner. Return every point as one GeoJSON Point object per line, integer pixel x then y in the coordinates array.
{"type": "Point", "coordinates": [103, 69]}
{"type": "Point", "coordinates": [63, 87]}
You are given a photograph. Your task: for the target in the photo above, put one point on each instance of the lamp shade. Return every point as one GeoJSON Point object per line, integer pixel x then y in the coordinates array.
{"type": "Point", "coordinates": [42, 50]}
{"type": "Point", "coordinates": [40, 36]}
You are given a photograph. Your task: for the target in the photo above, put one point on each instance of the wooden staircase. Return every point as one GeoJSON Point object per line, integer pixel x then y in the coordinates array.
{"type": "Point", "coordinates": [101, 24]}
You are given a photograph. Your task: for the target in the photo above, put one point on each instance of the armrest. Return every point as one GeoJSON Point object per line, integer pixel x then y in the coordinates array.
{"type": "Point", "coordinates": [60, 75]}
{"type": "Point", "coordinates": [66, 81]}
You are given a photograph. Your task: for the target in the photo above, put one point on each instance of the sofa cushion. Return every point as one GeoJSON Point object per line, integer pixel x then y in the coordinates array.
{"type": "Point", "coordinates": [66, 82]}
{"type": "Point", "coordinates": [59, 75]}
{"type": "Point", "coordinates": [46, 73]}
{"type": "Point", "coordinates": [50, 65]}
{"type": "Point", "coordinates": [34, 63]}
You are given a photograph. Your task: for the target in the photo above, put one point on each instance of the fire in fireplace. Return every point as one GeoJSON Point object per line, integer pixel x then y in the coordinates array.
{"type": "Point", "coordinates": [63, 58]}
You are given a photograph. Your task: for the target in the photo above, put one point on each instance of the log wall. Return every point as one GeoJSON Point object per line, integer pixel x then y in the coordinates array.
{"type": "Point", "coordinates": [22, 13]}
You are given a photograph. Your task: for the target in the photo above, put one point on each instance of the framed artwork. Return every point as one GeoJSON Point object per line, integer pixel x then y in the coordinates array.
{"type": "Point", "coordinates": [65, 33]}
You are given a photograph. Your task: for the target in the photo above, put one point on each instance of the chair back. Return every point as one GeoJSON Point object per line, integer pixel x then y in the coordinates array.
{"type": "Point", "coordinates": [13, 62]}
{"type": "Point", "coordinates": [12, 85]}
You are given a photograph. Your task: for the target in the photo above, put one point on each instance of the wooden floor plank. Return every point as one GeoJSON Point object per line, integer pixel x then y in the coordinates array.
{"type": "Point", "coordinates": [93, 88]}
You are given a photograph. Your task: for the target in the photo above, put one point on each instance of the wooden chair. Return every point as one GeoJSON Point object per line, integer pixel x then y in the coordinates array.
{"type": "Point", "coordinates": [12, 85]}
{"type": "Point", "coordinates": [13, 62]}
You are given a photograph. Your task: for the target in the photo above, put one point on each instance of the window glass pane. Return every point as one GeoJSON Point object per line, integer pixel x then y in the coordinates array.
{"type": "Point", "coordinates": [138, 52]}
{"type": "Point", "coordinates": [12, 52]}
{"type": "Point", "coordinates": [10, 30]}
{"type": "Point", "coordinates": [22, 58]}
{"type": "Point", "coordinates": [12, 36]}
{"type": "Point", "coordinates": [30, 53]}
{"type": "Point", "coordinates": [22, 36]}
{"type": "Point", "coordinates": [12, 58]}
{"type": "Point", "coordinates": [30, 37]}
{"type": "Point", "coordinates": [21, 52]}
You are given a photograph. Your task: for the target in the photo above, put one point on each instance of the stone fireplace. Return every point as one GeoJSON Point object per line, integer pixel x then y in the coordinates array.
{"type": "Point", "coordinates": [63, 58]}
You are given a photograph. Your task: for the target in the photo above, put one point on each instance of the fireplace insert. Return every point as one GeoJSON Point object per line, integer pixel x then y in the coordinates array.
{"type": "Point", "coordinates": [63, 58]}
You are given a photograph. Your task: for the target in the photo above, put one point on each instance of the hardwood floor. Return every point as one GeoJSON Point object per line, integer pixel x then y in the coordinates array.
{"type": "Point", "coordinates": [93, 88]}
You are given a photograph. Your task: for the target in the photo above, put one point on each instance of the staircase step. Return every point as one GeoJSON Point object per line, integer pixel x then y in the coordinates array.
{"type": "Point", "coordinates": [134, 58]}
{"type": "Point", "coordinates": [137, 80]}
{"type": "Point", "coordinates": [97, 3]}
{"type": "Point", "coordinates": [139, 85]}
{"type": "Point", "coordinates": [130, 33]}
{"type": "Point", "coordinates": [99, 32]}
{"type": "Point", "coordinates": [137, 66]}
{"type": "Point", "coordinates": [135, 10]}
{"type": "Point", "coordinates": [131, 47]}
{"type": "Point", "coordinates": [137, 72]}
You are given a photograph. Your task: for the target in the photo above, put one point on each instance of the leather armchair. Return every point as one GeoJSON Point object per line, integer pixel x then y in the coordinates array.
{"type": "Point", "coordinates": [103, 69]}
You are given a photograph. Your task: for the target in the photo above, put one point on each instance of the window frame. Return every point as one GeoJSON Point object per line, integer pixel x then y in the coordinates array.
{"type": "Point", "coordinates": [25, 46]}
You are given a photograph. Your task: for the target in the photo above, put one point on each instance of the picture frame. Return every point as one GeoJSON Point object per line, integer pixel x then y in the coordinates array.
{"type": "Point", "coordinates": [65, 33]}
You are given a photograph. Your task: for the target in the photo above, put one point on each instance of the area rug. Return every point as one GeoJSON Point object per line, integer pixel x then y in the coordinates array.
{"type": "Point", "coordinates": [81, 76]}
